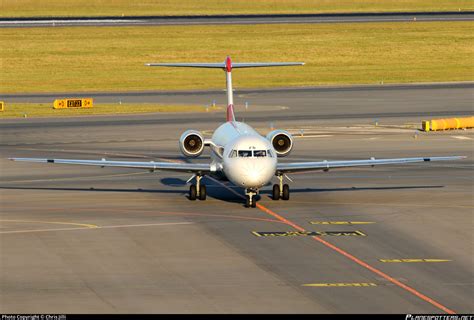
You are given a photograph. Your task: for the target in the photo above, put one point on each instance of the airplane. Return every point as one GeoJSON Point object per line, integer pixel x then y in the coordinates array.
{"type": "Point", "coordinates": [238, 153]}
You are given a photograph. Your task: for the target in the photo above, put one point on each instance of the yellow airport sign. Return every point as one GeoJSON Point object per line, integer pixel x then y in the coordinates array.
{"type": "Point", "coordinates": [362, 284]}
{"type": "Point", "coordinates": [413, 260]}
{"type": "Point", "coordinates": [307, 233]}
{"type": "Point", "coordinates": [73, 103]}
{"type": "Point", "coordinates": [2, 106]}
{"type": "Point", "coordinates": [448, 124]}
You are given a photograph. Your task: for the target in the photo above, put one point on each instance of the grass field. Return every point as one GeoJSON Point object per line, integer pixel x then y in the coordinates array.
{"type": "Point", "coordinates": [15, 110]}
{"type": "Point", "coordinates": [112, 58]}
{"type": "Point", "coordinates": [28, 8]}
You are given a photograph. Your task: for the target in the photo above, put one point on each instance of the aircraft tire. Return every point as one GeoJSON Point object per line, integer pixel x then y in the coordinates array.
{"type": "Point", "coordinates": [286, 192]}
{"type": "Point", "coordinates": [276, 192]}
{"type": "Point", "coordinates": [247, 201]}
{"type": "Point", "coordinates": [254, 203]}
{"type": "Point", "coordinates": [192, 192]}
{"type": "Point", "coordinates": [202, 192]}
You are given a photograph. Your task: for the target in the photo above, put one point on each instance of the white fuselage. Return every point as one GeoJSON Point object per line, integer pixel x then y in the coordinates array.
{"type": "Point", "coordinates": [248, 159]}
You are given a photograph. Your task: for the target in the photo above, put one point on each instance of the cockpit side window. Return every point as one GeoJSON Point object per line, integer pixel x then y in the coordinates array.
{"type": "Point", "coordinates": [245, 153]}
{"type": "Point", "coordinates": [233, 154]}
{"type": "Point", "coordinates": [259, 153]}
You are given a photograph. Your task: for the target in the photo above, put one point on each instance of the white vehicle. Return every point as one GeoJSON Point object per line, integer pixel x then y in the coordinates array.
{"type": "Point", "coordinates": [238, 152]}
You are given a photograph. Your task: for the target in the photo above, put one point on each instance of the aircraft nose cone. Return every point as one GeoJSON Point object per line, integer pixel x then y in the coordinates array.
{"type": "Point", "coordinates": [254, 175]}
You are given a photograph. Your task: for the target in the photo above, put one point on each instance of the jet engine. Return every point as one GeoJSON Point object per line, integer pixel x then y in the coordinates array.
{"type": "Point", "coordinates": [191, 143]}
{"type": "Point", "coordinates": [281, 141]}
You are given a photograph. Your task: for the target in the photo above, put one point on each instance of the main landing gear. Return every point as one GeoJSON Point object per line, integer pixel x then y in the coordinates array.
{"type": "Point", "coordinates": [281, 191]}
{"type": "Point", "coordinates": [250, 201]}
{"type": "Point", "coordinates": [198, 190]}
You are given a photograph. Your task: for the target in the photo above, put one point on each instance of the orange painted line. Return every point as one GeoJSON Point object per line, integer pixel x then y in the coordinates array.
{"type": "Point", "coordinates": [349, 256]}
{"type": "Point", "coordinates": [360, 262]}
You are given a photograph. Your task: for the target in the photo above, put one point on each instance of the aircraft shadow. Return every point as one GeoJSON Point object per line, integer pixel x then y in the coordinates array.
{"type": "Point", "coordinates": [311, 190]}
{"type": "Point", "coordinates": [92, 189]}
{"type": "Point", "coordinates": [214, 190]}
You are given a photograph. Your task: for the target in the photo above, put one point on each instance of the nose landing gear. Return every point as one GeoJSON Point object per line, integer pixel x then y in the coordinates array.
{"type": "Point", "coordinates": [197, 191]}
{"type": "Point", "coordinates": [250, 201]}
{"type": "Point", "coordinates": [281, 191]}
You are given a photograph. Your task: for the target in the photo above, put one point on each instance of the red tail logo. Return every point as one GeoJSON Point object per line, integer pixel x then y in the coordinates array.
{"type": "Point", "coordinates": [228, 64]}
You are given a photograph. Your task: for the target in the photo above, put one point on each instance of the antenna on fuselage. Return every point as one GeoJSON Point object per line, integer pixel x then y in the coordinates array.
{"type": "Point", "coordinates": [227, 66]}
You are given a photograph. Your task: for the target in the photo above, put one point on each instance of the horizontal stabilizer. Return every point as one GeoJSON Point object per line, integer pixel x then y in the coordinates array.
{"type": "Point", "coordinates": [187, 65]}
{"type": "Point", "coordinates": [222, 65]}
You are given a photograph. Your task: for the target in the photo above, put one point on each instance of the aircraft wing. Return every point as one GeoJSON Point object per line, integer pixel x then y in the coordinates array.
{"type": "Point", "coordinates": [201, 168]}
{"type": "Point", "coordinates": [328, 165]}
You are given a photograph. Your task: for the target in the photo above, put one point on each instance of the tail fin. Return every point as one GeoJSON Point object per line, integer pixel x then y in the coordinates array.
{"type": "Point", "coordinates": [227, 66]}
{"type": "Point", "coordinates": [230, 113]}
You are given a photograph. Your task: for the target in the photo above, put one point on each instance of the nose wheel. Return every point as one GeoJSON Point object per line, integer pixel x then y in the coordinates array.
{"type": "Point", "coordinates": [198, 190]}
{"type": "Point", "coordinates": [281, 191]}
{"type": "Point", "coordinates": [250, 199]}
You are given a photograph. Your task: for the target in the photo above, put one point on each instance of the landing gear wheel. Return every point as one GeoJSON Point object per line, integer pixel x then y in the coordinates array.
{"type": "Point", "coordinates": [251, 197]}
{"type": "Point", "coordinates": [202, 192]}
{"type": "Point", "coordinates": [286, 192]}
{"type": "Point", "coordinates": [276, 192]}
{"type": "Point", "coordinates": [192, 192]}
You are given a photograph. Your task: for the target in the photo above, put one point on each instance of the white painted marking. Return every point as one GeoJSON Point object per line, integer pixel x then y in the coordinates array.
{"type": "Point", "coordinates": [146, 225]}
{"type": "Point", "coordinates": [462, 138]}
{"type": "Point", "coordinates": [99, 227]}
{"type": "Point", "coordinates": [45, 230]}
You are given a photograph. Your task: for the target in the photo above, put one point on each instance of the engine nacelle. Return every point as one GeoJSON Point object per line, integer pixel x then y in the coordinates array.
{"type": "Point", "coordinates": [191, 143]}
{"type": "Point", "coordinates": [281, 141]}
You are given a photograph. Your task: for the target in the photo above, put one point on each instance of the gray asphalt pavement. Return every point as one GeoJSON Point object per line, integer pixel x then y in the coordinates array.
{"type": "Point", "coordinates": [75, 239]}
{"type": "Point", "coordinates": [236, 19]}
{"type": "Point", "coordinates": [352, 103]}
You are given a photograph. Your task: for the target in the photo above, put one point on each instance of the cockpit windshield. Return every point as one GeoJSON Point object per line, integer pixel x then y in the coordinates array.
{"type": "Point", "coordinates": [245, 153]}
{"type": "Point", "coordinates": [259, 153]}
{"type": "Point", "coordinates": [250, 154]}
